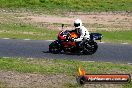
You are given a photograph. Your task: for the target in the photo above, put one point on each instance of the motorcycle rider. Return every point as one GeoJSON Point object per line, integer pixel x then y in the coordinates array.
{"type": "Point", "coordinates": [81, 31]}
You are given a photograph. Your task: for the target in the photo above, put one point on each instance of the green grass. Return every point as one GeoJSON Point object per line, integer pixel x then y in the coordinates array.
{"type": "Point", "coordinates": [22, 31]}
{"type": "Point", "coordinates": [57, 66]}
{"type": "Point", "coordinates": [26, 31]}
{"type": "Point", "coordinates": [69, 5]}
{"type": "Point", "coordinates": [117, 36]}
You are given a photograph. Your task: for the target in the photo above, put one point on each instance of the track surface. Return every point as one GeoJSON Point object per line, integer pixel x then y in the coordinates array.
{"type": "Point", "coordinates": [37, 49]}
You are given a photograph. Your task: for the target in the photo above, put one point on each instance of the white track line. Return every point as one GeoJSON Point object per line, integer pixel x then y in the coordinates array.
{"type": "Point", "coordinates": [91, 61]}
{"type": "Point", "coordinates": [30, 58]}
{"type": "Point", "coordinates": [125, 43]}
{"type": "Point", "coordinates": [26, 39]}
{"type": "Point", "coordinates": [129, 63]}
{"type": "Point", "coordinates": [50, 40]}
{"type": "Point", "coordinates": [102, 42]}
{"type": "Point", "coordinates": [5, 38]}
{"type": "Point", "coordinates": [6, 57]}
{"type": "Point", "coordinates": [87, 61]}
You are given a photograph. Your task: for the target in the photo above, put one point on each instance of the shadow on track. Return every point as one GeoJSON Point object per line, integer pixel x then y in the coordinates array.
{"type": "Point", "coordinates": [65, 53]}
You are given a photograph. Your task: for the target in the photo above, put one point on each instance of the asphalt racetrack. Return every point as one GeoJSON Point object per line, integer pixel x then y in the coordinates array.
{"type": "Point", "coordinates": [38, 49]}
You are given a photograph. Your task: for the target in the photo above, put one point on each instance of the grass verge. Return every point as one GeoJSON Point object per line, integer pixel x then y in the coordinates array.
{"type": "Point", "coordinates": [24, 31]}
{"type": "Point", "coordinates": [56, 66]}
{"type": "Point", "coordinates": [70, 5]}
{"type": "Point", "coordinates": [61, 66]}
{"type": "Point", "coordinates": [117, 36]}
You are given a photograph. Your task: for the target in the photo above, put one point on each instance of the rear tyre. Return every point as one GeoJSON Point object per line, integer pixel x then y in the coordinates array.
{"type": "Point", "coordinates": [90, 47]}
{"type": "Point", "coordinates": [55, 47]}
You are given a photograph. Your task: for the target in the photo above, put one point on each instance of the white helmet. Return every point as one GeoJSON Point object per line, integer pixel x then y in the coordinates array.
{"type": "Point", "coordinates": [77, 23]}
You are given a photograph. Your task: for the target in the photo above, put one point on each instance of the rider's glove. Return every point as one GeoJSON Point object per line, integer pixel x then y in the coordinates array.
{"type": "Point", "coordinates": [72, 39]}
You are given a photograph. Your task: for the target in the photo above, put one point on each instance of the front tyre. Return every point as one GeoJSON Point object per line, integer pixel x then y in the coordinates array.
{"type": "Point", "coordinates": [90, 47]}
{"type": "Point", "coordinates": [55, 47]}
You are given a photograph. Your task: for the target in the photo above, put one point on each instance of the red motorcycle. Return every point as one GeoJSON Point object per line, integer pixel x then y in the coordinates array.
{"type": "Point", "coordinates": [66, 44]}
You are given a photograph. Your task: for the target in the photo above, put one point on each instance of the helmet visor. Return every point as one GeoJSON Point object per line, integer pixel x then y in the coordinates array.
{"type": "Point", "coordinates": [76, 24]}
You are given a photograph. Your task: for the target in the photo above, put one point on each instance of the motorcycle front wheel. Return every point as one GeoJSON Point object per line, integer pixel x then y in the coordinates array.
{"type": "Point", "coordinates": [55, 47]}
{"type": "Point", "coordinates": [90, 47]}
